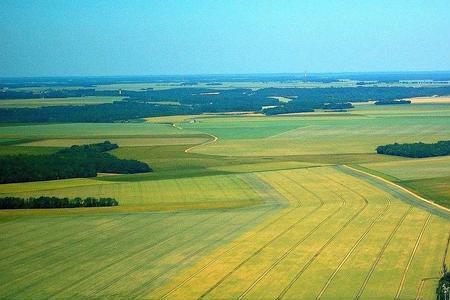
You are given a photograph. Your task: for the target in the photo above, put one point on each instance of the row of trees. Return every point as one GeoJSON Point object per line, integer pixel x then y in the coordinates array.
{"type": "Point", "coordinates": [416, 150]}
{"type": "Point", "coordinates": [391, 102]}
{"type": "Point", "coordinates": [76, 161]}
{"type": "Point", "coordinates": [54, 202]}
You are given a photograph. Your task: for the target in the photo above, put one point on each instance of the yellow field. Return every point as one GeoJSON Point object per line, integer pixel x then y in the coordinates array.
{"type": "Point", "coordinates": [437, 100]}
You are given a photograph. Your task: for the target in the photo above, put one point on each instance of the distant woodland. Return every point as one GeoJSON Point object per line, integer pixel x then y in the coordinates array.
{"type": "Point", "coordinates": [76, 161]}
{"type": "Point", "coordinates": [151, 103]}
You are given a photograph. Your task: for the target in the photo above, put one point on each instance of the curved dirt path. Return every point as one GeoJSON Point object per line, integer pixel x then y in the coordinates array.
{"type": "Point", "coordinates": [214, 139]}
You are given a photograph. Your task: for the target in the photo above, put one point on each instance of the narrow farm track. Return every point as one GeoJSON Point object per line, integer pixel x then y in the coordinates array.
{"type": "Point", "coordinates": [380, 254]}
{"type": "Point", "coordinates": [413, 252]}
{"type": "Point", "coordinates": [421, 201]}
{"type": "Point", "coordinates": [214, 139]}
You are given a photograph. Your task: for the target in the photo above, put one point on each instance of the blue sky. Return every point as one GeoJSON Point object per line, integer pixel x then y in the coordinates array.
{"type": "Point", "coordinates": [48, 38]}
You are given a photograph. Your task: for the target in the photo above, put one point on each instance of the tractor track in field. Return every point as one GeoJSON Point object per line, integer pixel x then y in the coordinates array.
{"type": "Point", "coordinates": [139, 292]}
{"type": "Point", "coordinates": [33, 237]}
{"type": "Point", "coordinates": [324, 246]}
{"type": "Point", "coordinates": [171, 291]}
{"type": "Point", "coordinates": [44, 252]}
{"type": "Point", "coordinates": [144, 249]}
{"type": "Point", "coordinates": [352, 250]}
{"type": "Point", "coordinates": [380, 254]}
{"type": "Point", "coordinates": [266, 245]}
{"type": "Point", "coordinates": [299, 204]}
{"type": "Point", "coordinates": [411, 256]}
{"type": "Point", "coordinates": [422, 283]}
{"type": "Point", "coordinates": [285, 254]}
{"type": "Point", "coordinates": [265, 194]}
{"type": "Point", "coordinates": [38, 228]}
{"type": "Point", "coordinates": [137, 267]}
{"type": "Point", "coordinates": [79, 254]}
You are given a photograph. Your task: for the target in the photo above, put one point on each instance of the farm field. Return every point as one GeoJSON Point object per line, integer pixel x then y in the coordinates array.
{"type": "Point", "coordinates": [12, 103]}
{"type": "Point", "coordinates": [238, 207]}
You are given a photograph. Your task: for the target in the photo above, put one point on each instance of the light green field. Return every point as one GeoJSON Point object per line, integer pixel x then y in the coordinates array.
{"type": "Point", "coordinates": [316, 135]}
{"type": "Point", "coordinates": [11, 103]}
{"type": "Point", "coordinates": [122, 142]}
{"type": "Point", "coordinates": [269, 210]}
{"type": "Point", "coordinates": [90, 130]}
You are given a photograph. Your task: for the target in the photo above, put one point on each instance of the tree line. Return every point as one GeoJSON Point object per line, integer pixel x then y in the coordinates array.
{"type": "Point", "coordinates": [77, 161]}
{"type": "Point", "coordinates": [54, 202]}
{"type": "Point", "coordinates": [416, 150]}
{"type": "Point", "coordinates": [391, 102]}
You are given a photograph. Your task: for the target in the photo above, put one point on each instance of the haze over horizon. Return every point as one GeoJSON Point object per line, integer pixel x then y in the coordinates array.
{"type": "Point", "coordinates": [69, 38]}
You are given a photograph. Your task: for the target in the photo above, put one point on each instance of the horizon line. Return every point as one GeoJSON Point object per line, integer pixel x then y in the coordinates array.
{"type": "Point", "coordinates": [228, 74]}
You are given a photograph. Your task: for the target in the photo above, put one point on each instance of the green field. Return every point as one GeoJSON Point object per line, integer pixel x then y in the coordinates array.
{"type": "Point", "coordinates": [238, 207]}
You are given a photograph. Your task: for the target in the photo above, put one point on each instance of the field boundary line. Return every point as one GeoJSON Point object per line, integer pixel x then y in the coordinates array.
{"type": "Point", "coordinates": [352, 250]}
{"type": "Point", "coordinates": [416, 245]}
{"type": "Point", "coordinates": [284, 132]}
{"type": "Point", "coordinates": [381, 253]}
{"type": "Point", "coordinates": [214, 139]}
{"type": "Point", "coordinates": [401, 188]}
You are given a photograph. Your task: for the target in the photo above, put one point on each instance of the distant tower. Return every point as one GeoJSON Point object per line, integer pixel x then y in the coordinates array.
{"type": "Point", "coordinates": [120, 92]}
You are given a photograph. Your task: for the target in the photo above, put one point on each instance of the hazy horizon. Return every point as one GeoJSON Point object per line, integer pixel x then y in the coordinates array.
{"type": "Point", "coordinates": [158, 38]}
